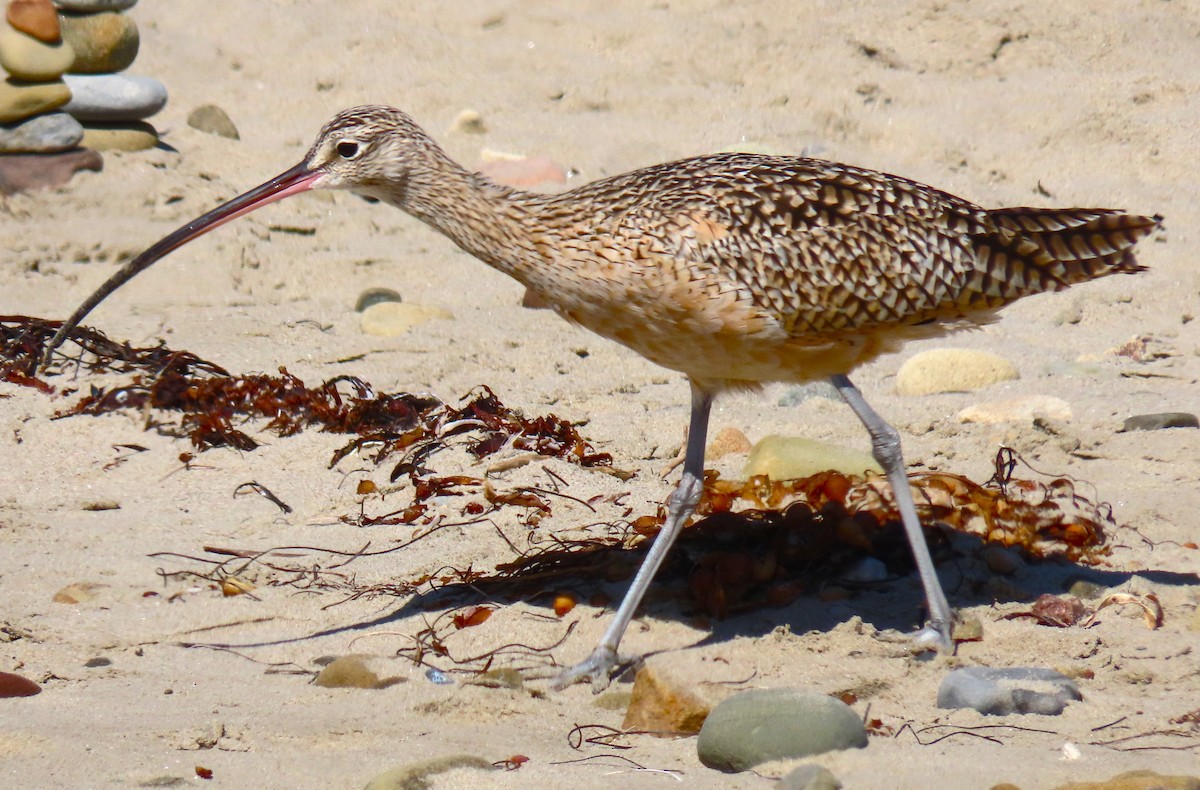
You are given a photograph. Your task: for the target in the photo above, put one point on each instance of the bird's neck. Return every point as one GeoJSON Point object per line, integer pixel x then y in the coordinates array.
{"type": "Point", "coordinates": [487, 220]}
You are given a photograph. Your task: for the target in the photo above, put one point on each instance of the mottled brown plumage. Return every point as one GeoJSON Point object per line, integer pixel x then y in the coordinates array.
{"type": "Point", "coordinates": [734, 269]}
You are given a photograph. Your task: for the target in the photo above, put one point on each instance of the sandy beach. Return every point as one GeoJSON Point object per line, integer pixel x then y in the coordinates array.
{"type": "Point", "coordinates": [156, 672]}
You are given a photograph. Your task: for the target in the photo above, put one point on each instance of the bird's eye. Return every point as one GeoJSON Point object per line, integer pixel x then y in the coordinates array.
{"type": "Point", "coordinates": [348, 149]}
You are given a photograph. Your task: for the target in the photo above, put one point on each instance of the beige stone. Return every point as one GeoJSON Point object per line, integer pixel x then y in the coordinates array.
{"type": "Point", "coordinates": [952, 370]}
{"type": "Point", "coordinates": [104, 43]}
{"type": "Point", "coordinates": [792, 457]}
{"type": "Point", "coordinates": [134, 136]}
{"type": "Point", "coordinates": [26, 58]}
{"type": "Point", "coordinates": [20, 99]}
{"type": "Point", "coordinates": [1016, 410]}
{"type": "Point", "coordinates": [389, 319]}
{"type": "Point", "coordinates": [666, 705]}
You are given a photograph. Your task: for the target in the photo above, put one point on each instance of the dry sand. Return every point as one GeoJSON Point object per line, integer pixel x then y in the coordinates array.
{"type": "Point", "coordinates": [1005, 103]}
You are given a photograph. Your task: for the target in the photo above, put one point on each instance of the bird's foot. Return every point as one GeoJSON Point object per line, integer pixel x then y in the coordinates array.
{"type": "Point", "coordinates": [599, 669]}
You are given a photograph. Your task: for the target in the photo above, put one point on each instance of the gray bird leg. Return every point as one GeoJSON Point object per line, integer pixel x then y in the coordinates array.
{"type": "Point", "coordinates": [597, 666]}
{"type": "Point", "coordinates": [885, 443]}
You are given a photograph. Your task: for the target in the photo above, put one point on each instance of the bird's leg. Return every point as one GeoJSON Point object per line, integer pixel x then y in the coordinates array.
{"type": "Point", "coordinates": [600, 663]}
{"type": "Point", "coordinates": [885, 444]}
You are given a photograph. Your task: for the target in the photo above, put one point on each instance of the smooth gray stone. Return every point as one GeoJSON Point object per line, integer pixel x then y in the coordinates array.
{"type": "Point", "coordinates": [92, 6]}
{"type": "Point", "coordinates": [42, 134]}
{"type": "Point", "coordinates": [756, 726]}
{"type": "Point", "coordinates": [113, 97]}
{"type": "Point", "coordinates": [999, 692]}
{"type": "Point", "coordinates": [809, 777]}
{"type": "Point", "coordinates": [1154, 422]}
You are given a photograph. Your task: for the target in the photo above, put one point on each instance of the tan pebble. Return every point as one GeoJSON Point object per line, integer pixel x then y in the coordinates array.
{"type": "Point", "coordinates": [1016, 410]}
{"type": "Point", "coordinates": [469, 122]}
{"type": "Point", "coordinates": [78, 592]}
{"type": "Point", "coordinates": [19, 99]}
{"type": "Point", "coordinates": [104, 43]}
{"type": "Point", "coordinates": [952, 370]}
{"type": "Point", "coordinates": [101, 504]}
{"type": "Point", "coordinates": [36, 18]}
{"type": "Point", "coordinates": [134, 136]}
{"type": "Point", "coordinates": [26, 58]}
{"type": "Point", "coordinates": [351, 671]}
{"type": "Point", "coordinates": [389, 319]}
{"type": "Point", "coordinates": [728, 442]}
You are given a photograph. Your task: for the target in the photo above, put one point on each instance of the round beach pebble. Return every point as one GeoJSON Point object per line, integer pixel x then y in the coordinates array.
{"type": "Point", "coordinates": [92, 6]}
{"type": "Point", "coordinates": [114, 97]}
{"type": "Point", "coordinates": [26, 58]}
{"type": "Point", "coordinates": [36, 18]}
{"type": "Point", "coordinates": [759, 725]}
{"type": "Point", "coordinates": [952, 370]}
{"type": "Point", "coordinates": [41, 134]}
{"type": "Point", "coordinates": [131, 136]}
{"type": "Point", "coordinates": [20, 99]}
{"type": "Point", "coordinates": [103, 42]}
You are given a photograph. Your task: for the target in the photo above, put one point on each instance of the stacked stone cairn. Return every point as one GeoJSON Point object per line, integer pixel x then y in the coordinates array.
{"type": "Point", "coordinates": [64, 96]}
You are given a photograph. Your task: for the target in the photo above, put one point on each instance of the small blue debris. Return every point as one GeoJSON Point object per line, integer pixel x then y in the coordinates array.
{"type": "Point", "coordinates": [439, 677]}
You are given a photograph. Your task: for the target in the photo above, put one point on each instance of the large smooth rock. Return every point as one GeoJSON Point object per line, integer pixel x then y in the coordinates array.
{"type": "Point", "coordinates": [114, 97]}
{"type": "Point", "coordinates": [26, 58]}
{"type": "Point", "coordinates": [103, 43]}
{"type": "Point", "coordinates": [23, 172]}
{"type": "Point", "coordinates": [19, 99]}
{"type": "Point", "coordinates": [129, 136]}
{"type": "Point", "coordinates": [1000, 692]}
{"type": "Point", "coordinates": [36, 18]}
{"type": "Point", "coordinates": [756, 726]}
{"type": "Point", "coordinates": [793, 457]}
{"type": "Point", "coordinates": [952, 370]}
{"type": "Point", "coordinates": [55, 131]}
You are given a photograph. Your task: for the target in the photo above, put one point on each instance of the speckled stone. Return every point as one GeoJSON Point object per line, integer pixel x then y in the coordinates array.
{"type": "Point", "coordinates": [105, 42]}
{"type": "Point", "coordinates": [41, 134]}
{"type": "Point", "coordinates": [26, 58]}
{"type": "Point", "coordinates": [19, 99]}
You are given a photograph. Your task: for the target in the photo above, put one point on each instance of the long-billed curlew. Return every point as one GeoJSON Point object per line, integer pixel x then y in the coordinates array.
{"type": "Point", "coordinates": [734, 269]}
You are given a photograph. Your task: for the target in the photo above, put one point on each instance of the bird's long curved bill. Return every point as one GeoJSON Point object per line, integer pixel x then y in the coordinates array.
{"type": "Point", "coordinates": [297, 179]}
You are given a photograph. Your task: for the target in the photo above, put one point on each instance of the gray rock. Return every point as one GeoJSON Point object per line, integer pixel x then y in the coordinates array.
{"type": "Point", "coordinates": [92, 6]}
{"type": "Point", "coordinates": [113, 97]}
{"type": "Point", "coordinates": [809, 777]}
{"type": "Point", "coordinates": [999, 692]}
{"type": "Point", "coordinates": [41, 134]}
{"type": "Point", "coordinates": [772, 724]}
{"type": "Point", "coordinates": [1154, 422]}
{"type": "Point", "coordinates": [212, 119]}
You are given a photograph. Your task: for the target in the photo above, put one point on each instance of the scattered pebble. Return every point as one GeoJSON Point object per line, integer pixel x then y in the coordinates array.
{"type": "Point", "coordinates": [416, 776]}
{"type": "Point", "coordinates": [664, 705]}
{"type": "Point", "coordinates": [97, 505]}
{"type": "Point", "coordinates": [952, 370]}
{"type": "Point", "coordinates": [1000, 692]}
{"type": "Point", "coordinates": [352, 671]}
{"type": "Point", "coordinates": [20, 99]}
{"type": "Point", "coordinates": [792, 457]}
{"type": "Point", "coordinates": [36, 18]}
{"type": "Point", "coordinates": [78, 592]}
{"type": "Point", "coordinates": [22, 172]}
{"type": "Point", "coordinates": [389, 319]}
{"type": "Point", "coordinates": [16, 686]}
{"type": "Point", "coordinates": [129, 136]}
{"type": "Point", "coordinates": [114, 97]}
{"type": "Point", "coordinates": [729, 441]}
{"type": "Point", "coordinates": [469, 122]}
{"type": "Point", "coordinates": [374, 296]}
{"type": "Point", "coordinates": [26, 58]}
{"type": "Point", "coordinates": [1155, 422]}
{"type": "Point", "coordinates": [1016, 410]}
{"type": "Point", "coordinates": [47, 133]}
{"type": "Point", "coordinates": [212, 119]}
{"type": "Point", "coordinates": [103, 42]}
{"type": "Point", "coordinates": [1137, 780]}
{"type": "Point", "coordinates": [755, 726]}
{"type": "Point", "coordinates": [809, 777]}
{"type": "Point", "coordinates": [97, 662]}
